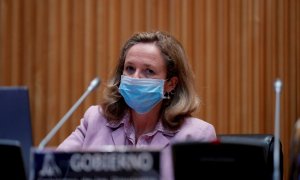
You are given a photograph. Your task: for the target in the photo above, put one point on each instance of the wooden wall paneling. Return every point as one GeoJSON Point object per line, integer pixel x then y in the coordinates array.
{"type": "Point", "coordinates": [259, 49]}
{"type": "Point", "coordinates": [65, 64]}
{"type": "Point", "coordinates": [245, 30]}
{"type": "Point", "coordinates": [40, 60]}
{"type": "Point", "coordinates": [264, 35]}
{"type": "Point", "coordinates": [1, 40]}
{"type": "Point", "coordinates": [256, 65]}
{"type": "Point", "coordinates": [293, 58]}
{"type": "Point", "coordinates": [16, 69]}
{"type": "Point", "coordinates": [102, 61]}
{"type": "Point", "coordinates": [102, 57]}
{"type": "Point", "coordinates": [77, 58]}
{"type": "Point", "coordinates": [175, 20]}
{"type": "Point", "coordinates": [281, 66]}
{"type": "Point", "coordinates": [297, 39]}
{"type": "Point", "coordinates": [298, 55]}
{"type": "Point", "coordinates": [235, 74]}
{"type": "Point", "coordinates": [286, 90]}
{"type": "Point", "coordinates": [253, 57]}
{"type": "Point", "coordinates": [90, 40]}
{"type": "Point", "coordinates": [269, 58]}
{"type": "Point", "coordinates": [290, 68]}
{"type": "Point", "coordinates": [187, 19]}
{"type": "Point", "coordinates": [187, 29]}
{"type": "Point", "coordinates": [28, 40]}
{"type": "Point", "coordinates": [53, 68]}
{"type": "Point", "coordinates": [200, 54]}
{"type": "Point", "coordinates": [281, 44]}
{"type": "Point", "coordinates": [114, 33]}
{"type": "Point", "coordinates": [247, 40]}
{"type": "Point", "coordinates": [222, 67]}
{"type": "Point", "coordinates": [127, 20]}
{"type": "Point", "coordinates": [139, 15]}
{"type": "Point", "coordinates": [151, 14]}
{"type": "Point", "coordinates": [6, 44]}
{"type": "Point", "coordinates": [161, 15]}
{"type": "Point", "coordinates": [239, 68]}
{"type": "Point", "coordinates": [282, 72]}
{"type": "Point", "coordinates": [211, 63]}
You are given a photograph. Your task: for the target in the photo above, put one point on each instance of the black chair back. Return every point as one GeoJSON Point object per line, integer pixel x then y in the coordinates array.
{"type": "Point", "coordinates": [230, 157]}
{"type": "Point", "coordinates": [12, 164]}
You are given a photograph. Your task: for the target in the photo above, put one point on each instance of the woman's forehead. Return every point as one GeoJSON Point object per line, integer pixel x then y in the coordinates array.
{"type": "Point", "coordinates": [145, 53]}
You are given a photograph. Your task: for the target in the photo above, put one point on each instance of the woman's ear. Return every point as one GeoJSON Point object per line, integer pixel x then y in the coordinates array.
{"type": "Point", "coordinates": [171, 84]}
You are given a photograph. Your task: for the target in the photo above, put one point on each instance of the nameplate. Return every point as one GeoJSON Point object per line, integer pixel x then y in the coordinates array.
{"type": "Point", "coordinates": [123, 164]}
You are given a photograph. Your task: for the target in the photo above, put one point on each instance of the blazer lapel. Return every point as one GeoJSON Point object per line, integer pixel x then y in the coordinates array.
{"type": "Point", "coordinates": [118, 136]}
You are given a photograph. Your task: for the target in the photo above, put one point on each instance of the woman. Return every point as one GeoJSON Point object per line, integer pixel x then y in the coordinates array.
{"type": "Point", "coordinates": [148, 102]}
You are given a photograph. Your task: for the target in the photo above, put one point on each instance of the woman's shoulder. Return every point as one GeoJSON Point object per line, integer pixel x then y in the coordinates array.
{"type": "Point", "coordinates": [94, 109]}
{"type": "Point", "coordinates": [193, 122]}
{"type": "Point", "coordinates": [196, 129]}
{"type": "Point", "coordinates": [94, 114]}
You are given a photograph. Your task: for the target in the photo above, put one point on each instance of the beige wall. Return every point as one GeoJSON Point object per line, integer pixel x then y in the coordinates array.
{"type": "Point", "coordinates": [237, 49]}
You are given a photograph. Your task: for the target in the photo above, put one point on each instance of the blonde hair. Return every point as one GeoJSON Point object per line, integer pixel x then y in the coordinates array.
{"type": "Point", "coordinates": [184, 99]}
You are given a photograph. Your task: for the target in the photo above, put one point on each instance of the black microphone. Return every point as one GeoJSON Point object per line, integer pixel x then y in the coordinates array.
{"type": "Point", "coordinates": [93, 85]}
{"type": "Point", "coordinates": [276, 154]}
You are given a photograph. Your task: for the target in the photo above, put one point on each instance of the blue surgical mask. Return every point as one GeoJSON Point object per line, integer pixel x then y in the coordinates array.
{"type": "Point", "coordinates": [141, 94]}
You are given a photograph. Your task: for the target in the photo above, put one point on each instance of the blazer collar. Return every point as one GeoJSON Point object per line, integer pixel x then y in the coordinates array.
{"type": "Point", "coordinates": [118, 136]}
{"type": "Point", "coordinates": [159, 139]}
{"type": "Point", "coordinates": [161, 135]}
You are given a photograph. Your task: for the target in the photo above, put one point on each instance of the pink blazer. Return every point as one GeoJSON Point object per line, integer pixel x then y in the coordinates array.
{"type": "Point", "coordinates": [95, 132]}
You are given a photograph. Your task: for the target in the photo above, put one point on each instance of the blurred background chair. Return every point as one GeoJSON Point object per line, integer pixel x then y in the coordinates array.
{"type": "Point", "coordinates": [240, 156]}
{"type": "Point", "coordinates": [15, 120]}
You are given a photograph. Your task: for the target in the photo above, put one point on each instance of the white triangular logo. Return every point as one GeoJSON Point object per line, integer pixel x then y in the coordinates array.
{"type": "Point", "coordinates": [49, 168]}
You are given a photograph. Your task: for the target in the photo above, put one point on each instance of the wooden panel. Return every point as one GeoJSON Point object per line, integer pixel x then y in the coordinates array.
{"type": "Point", "coordinates": [6, 36]}
{"type": "Point", "coordinates": [65, 66]}
{"type": "Point", "coordinates": [199, 55]}
{"type": "Point", "coordinates": [210, 65]}
{"type": "Point", "coordinates": [236, 48]}
{"type": "Point", "coordinates": [15, 50]}
{"type": "Point", "coordinates": [53, 65]}
{"type": "Point", "coordinates": [90, 35]}
{"type": "Point", "coordinates": [235, 69]}
{"type": "Point", "coordinates": [222, 55]}
{"type": "Point", "coordinates": [39, 98]}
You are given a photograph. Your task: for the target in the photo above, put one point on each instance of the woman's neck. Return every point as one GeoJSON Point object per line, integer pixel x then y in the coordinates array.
{"type": "Point", "coordinates": [144, 123]}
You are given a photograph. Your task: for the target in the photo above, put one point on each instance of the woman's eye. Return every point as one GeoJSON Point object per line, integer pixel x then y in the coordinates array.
{"type": "Point", "coordinates": [149, 72]}
{"type": "Point", "coordinates": [129, 69]}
